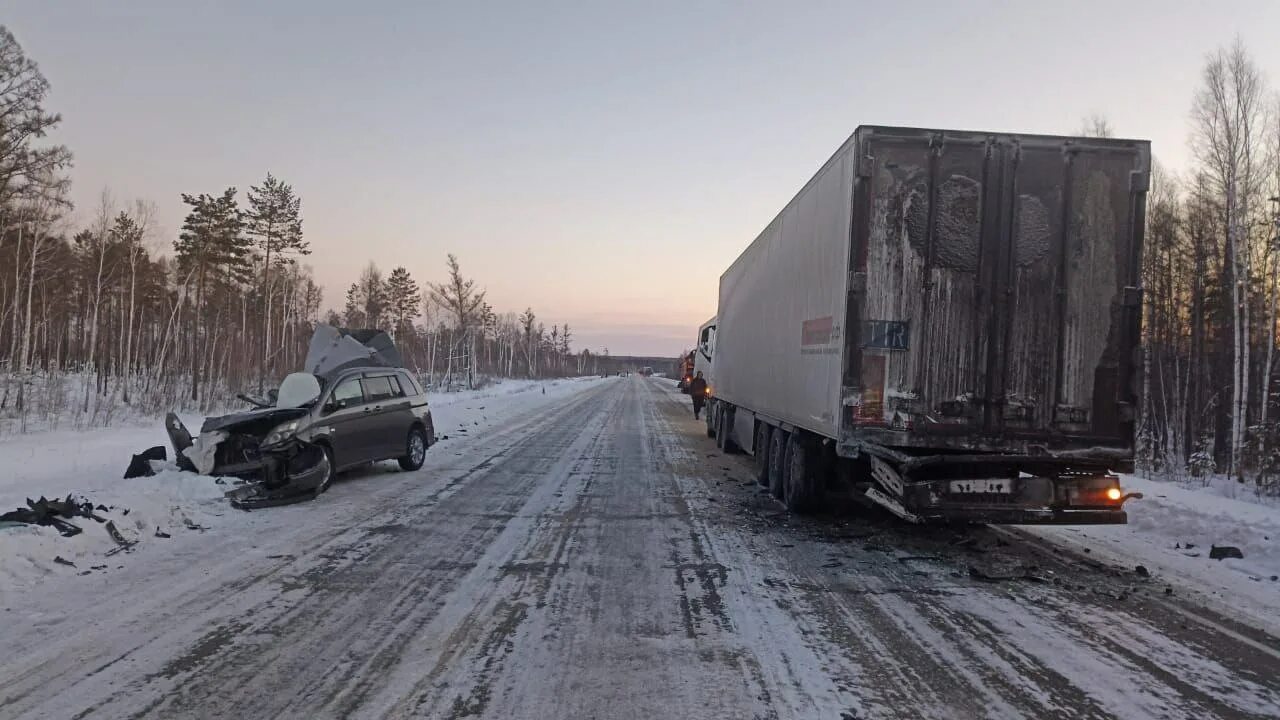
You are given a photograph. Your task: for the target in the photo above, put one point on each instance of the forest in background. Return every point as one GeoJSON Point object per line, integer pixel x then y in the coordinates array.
{"type": "Point", "coordinates": [113, 318]}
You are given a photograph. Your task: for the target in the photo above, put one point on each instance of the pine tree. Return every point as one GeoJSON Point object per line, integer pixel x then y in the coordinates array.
{"type": "Point", "coordinates": [353, 314]}
{"type": "Point", "coordinates": [213, 250]}
{"type": "Point", "coordinates": [403, 299]}
{"type": "Point", "coordinates": [274, 221]}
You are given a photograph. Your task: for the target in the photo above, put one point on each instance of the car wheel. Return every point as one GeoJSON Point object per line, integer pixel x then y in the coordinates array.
{"type": "Point", "coordinates": [415, 451]}
{"type": "Point", "coordinates": [329, 472]}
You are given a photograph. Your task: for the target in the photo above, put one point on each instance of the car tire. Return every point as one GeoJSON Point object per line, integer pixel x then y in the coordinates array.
{"type": "Point", "coordinates": [761, 448]}
{"type": "Point", "coordinates": [777, 462]}
{"type": "Point", "coordinates": [333, 470]}
{"type": "Point", "coordinates": [415, 449]}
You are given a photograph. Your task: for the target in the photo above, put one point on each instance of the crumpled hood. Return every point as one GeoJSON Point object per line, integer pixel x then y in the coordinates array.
{"type": "Point", "coordinates": [252, 420]}
{"type": "Point", "coordinates": [335, 349]}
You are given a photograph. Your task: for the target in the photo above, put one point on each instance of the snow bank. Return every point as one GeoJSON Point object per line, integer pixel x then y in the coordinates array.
{"type": "Point", "coordinates": [1171, 531]}
{"type": "Point", "coordinates": [91, 463]}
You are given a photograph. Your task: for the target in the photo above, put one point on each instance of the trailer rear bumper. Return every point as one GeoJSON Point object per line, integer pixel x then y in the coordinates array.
{"type": "Point", "coordinates": [1028, 516]}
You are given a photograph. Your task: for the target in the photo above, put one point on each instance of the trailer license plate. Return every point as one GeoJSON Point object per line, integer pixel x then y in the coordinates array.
{"type": "Point", "coordinates": [981, 486]}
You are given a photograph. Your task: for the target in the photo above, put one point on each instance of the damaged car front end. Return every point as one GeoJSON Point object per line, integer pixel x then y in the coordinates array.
{"type": "Point", "coordinates": [354, 402]}
{"type": "Point", "coordinates": [261, 446]}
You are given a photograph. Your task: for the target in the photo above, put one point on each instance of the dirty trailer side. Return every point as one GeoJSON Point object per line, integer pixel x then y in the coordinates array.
{"type": "Point", "coordinates": [946, 323]}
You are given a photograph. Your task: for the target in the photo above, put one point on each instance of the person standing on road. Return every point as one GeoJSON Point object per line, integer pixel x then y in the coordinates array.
{"type": "Point", "coordinates": [698, 391]}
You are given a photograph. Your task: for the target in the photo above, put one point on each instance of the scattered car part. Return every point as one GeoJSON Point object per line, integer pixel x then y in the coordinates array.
{"type": "Point", "coordinates": [140, 465]}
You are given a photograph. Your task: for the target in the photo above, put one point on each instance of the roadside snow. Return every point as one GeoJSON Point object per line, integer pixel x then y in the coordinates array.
{"type": "Point", "coordinates": [1171, 531]}
{"type": "Point", "coordinates": [90, 464]}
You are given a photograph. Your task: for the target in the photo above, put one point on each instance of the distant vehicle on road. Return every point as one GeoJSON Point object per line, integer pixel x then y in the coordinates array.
{"type": "Point", "coordinates": [646, 371]}
{"type": "Point", "coordinates": [684, 371]}
{"type": "Point", "coordinates": [705, 350]}
{"type": "Point", "coordinates": [945, 324]}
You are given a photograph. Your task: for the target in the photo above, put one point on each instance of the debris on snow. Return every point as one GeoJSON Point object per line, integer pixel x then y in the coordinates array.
{"type": "Point", "coordinates": [1221, 552]}
{"type": "Point", "coordinates": [140, 465]}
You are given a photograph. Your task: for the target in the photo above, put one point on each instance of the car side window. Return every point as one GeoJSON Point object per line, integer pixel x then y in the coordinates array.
{"type": "Point", "coordinates": [347, 394]}
{"type": "Point", "coordinates": [396, 390]}
{"type": "Point", "coordinates": [377, 388]}
{"type": "Point", "coordinates": [410, 384]}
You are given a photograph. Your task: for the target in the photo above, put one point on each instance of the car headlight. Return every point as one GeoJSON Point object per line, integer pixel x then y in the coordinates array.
{"type": "Point", "coordinates": [281, 434]}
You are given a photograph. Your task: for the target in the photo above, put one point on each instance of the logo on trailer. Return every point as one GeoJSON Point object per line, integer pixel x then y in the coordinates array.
{"type": "Point", "coordinates": [817, 331]}
{"type": "Point", "coordinates": [886, 334]}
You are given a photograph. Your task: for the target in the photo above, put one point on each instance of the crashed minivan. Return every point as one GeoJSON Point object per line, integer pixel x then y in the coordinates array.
{"type": "Point", "coordinates": [354, 404]}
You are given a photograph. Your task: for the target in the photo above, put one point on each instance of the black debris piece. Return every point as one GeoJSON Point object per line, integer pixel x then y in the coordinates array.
{"type": "Point", "coordinates": [116, 536]}
{"type": "Point", "coordinates": [162, 534]}
{"type": "Point", "coordinates": [998, 569]}
{"type": "Point", "coordinates": [1142, 571]}
{"type": "Point", "coordinates": [52, 513]}
{"type": "Point", "coordinates": [63, 561]}
{"type": "Point", "coordinates": [140, 465]}
{"type": "Point", "coordinates": [1222, 552]}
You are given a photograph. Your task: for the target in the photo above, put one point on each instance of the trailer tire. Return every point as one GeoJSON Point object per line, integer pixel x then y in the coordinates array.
{"type": "Point", "coordinates": [761, 450]}
{"type": "Point", "coordinates": [710, 419]}
{"type": "Point", "coordinates": [724, 431]}
{"type": "Point", "coordinates": [777, 462]}
{"type": "Point", "coordinates": [802, 490]}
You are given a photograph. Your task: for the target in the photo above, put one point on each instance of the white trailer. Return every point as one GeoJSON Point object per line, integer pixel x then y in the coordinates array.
{"type": "Point", "coordinates": [944, 323]}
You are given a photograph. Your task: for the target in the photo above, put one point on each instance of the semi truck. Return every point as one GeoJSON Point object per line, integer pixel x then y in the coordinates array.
{"type": "Point", "coordinates": [945, 324]}
{"type": "Point", "coordinates": [705, 350]}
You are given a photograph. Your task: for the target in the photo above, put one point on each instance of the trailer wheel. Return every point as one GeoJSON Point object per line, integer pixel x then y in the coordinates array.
{"type": "Point", "coordinates": [724, 431]}
{"type": "Point", "coordinates": [710, 418]}
{"type": "Point", "coordinates": [802, 489]}
{"type": "Point", "coordinates": [777, 462]}
{"type": "Point", "coordinates": [761, 450]}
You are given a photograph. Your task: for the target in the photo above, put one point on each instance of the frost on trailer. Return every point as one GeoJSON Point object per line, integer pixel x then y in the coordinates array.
{"type": "Point", "coordinates": [956, 312]}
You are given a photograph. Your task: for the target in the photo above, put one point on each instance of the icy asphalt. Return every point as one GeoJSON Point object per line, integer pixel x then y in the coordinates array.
{"type": "Point", "coordinates": [597, 557]}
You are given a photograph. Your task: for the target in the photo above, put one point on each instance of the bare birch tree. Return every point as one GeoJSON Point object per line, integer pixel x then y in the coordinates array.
{"type": "Point", "coordinates": [1227, 138]}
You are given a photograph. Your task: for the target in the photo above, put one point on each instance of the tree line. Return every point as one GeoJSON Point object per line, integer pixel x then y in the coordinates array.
{"type": "Point", "coordinates": [112, 315]}
{"type": "Point", "coordinates": [1211, 277]}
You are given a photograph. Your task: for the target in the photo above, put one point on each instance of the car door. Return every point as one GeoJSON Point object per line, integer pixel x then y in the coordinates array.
{"type": "Point", "coordinates": [346, 421]}
{"type": "Point", "coordinates": [388, 415]}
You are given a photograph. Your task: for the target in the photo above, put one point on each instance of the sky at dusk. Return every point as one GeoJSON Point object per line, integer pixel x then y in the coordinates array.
{"type": "Point", "coordinates": [600, 162]}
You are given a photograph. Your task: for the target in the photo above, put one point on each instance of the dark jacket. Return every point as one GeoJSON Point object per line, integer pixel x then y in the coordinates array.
{"type": "Point", "coordinates": [698, 387]}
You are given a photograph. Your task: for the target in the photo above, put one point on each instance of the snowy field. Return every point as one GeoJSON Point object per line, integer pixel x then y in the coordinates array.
{"type": "Point", "coordinates": [1171, 532]}
{"type": "Point", "coordinates": [90, 464]}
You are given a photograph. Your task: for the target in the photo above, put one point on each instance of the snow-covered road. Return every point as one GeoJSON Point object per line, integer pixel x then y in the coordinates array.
{"type": "Point", "coordinates": [592, 555]}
